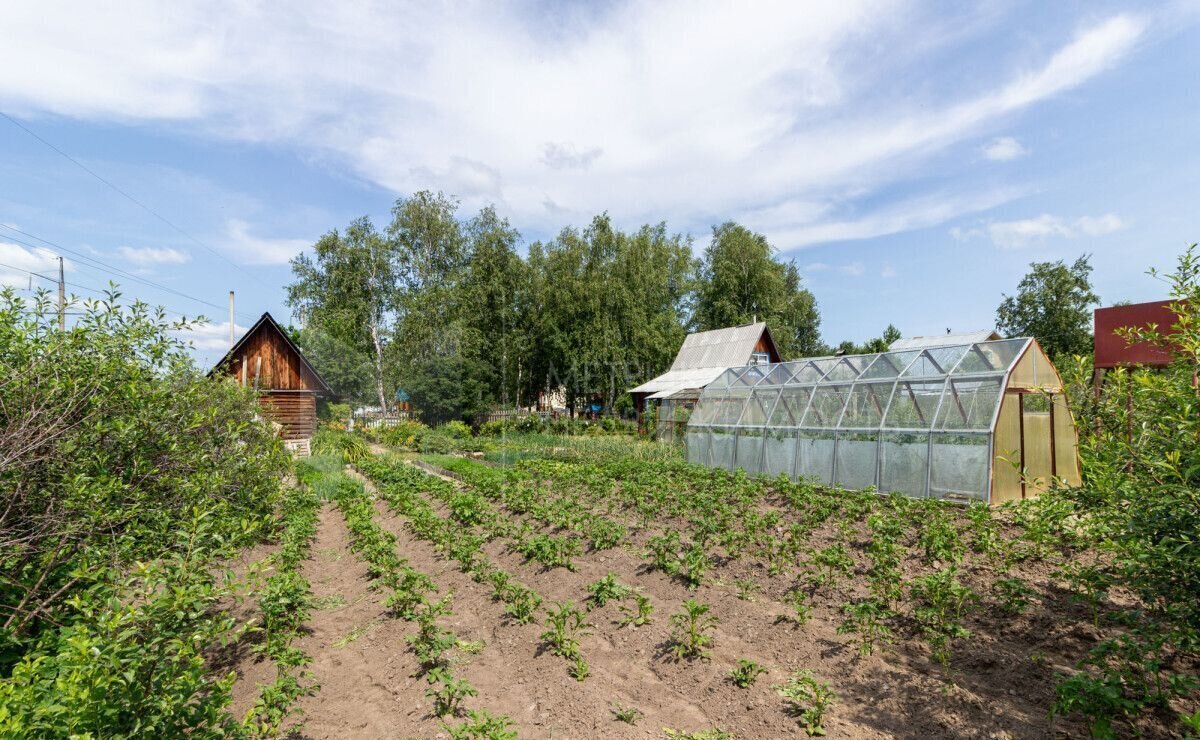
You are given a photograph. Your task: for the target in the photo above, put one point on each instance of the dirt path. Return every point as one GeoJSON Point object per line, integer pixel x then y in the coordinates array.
{"type": "Point", "coordinates": [359, 655]}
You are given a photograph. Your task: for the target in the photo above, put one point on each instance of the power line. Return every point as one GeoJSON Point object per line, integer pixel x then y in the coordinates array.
{"type": "Point", "coordinates": [105, 267]}
{"type": "Point", "coordinates": [88, 288]}
{"type": "Point", "coordinates": [129, 197]}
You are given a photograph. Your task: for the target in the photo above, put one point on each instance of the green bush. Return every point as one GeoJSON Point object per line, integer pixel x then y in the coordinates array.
{"type": "Point", "coordinates": [455, 430]}
{"type": "Point", "coordinates": [113, 442]}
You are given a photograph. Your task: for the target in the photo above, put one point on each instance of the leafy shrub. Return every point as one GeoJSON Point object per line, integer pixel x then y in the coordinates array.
{"type": "Point", "coordinates": [455, 430]}
{"type": "Point", "coordinates": [350, 447]}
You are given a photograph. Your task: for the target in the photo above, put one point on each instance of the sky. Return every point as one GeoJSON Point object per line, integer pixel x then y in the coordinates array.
{"type": "Point", "coordinates": [912, 158]}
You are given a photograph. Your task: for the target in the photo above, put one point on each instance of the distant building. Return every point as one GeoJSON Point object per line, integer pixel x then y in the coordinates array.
{"type": "Point", "coordinates": [703, 356]}
{"type": "Point", "coordinates": [944, 340]}
{"type": "Point", "coordinates": [267, 359]}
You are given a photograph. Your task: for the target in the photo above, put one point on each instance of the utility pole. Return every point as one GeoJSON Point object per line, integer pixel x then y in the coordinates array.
{"type": "Point", "coordinates": [231, 319]}
{"type": "Point", "coordinates": [62, 297]}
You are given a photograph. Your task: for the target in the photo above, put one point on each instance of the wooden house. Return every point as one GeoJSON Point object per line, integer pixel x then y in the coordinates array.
{"type": "Point", "coordinates": [267, 359]}
{"type": "Point", "coordinates": [703, 357]}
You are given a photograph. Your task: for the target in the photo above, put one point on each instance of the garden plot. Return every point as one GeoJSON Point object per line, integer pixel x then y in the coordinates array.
{"type": "Point", "coordinates": [625, 599]}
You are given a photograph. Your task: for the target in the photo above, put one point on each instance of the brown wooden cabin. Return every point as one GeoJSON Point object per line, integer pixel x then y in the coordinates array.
{"type": "Point", "coordinates": [267, 359]}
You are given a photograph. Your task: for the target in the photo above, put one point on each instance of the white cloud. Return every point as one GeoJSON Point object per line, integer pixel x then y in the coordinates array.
{"type": "Point", "coordinates": [19, 261]}
{"type": "Point", "coordinates": [851, 269]}
{"type": "Point", "coordinates": [212, 336]}
{"type": "Point", "coordinates": [888, 272]}
{"type": "Point", "coordinates": [1004, 148]}
{"type": "Point", "coordinates": [1024, 232]}
{"type": "Point", "coordinates": [153, 255]}
{"type": "Point", "coordinates": [256, 250]}
{"type": "Point", "coordinates": [680, 111]}
{"type": "Point", "coordinates": [906, 215]}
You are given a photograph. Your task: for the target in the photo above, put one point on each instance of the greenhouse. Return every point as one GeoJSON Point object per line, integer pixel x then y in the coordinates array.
{"type": "Point", "coordinates": [984, 421]}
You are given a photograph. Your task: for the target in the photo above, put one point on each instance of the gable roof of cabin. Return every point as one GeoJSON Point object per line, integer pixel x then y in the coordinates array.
{"type": "Point", "coordinates": [267, 321]}
{"type": "Point", "coordinates": [705, 355]}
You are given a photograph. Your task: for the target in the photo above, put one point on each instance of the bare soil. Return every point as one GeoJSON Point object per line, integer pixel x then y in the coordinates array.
{"type": "Point", "coordinates": [1001, 686]}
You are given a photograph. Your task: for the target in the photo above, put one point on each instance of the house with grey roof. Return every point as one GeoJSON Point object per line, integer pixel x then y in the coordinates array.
{"type": "Point", "coordinates": [702, 358]}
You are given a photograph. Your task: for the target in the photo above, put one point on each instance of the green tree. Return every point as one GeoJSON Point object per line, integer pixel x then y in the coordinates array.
{"type": "Point", "coordinates": [344, 367]}
{"type": "Point", "coordinates": [1053, 304]}
{"type": "Point", "coordinates": [742, 279]}
{"type": "Point", "coordinates": [608, 306]}
{"type": "Point", "coordinates": [492, 302]}
{"type": "Point", "coordinates": [431, 253]}
{"type": "Point", "coordinates": [347, 290]}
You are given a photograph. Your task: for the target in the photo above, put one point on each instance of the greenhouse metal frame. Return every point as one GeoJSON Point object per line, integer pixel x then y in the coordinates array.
{"type": "Point", "coordinates": [984, 421]}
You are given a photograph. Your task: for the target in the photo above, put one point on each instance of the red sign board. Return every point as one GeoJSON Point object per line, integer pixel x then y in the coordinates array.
{"type": "Point", "coordinates": [1112, 350]}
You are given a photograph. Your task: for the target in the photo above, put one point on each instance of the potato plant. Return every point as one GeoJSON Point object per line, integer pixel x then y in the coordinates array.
{"type": "Point", "coordinates": [692, 631]}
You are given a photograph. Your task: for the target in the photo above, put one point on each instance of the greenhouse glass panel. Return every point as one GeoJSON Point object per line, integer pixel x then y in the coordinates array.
{"type": "Point", "coordinates": [822, 365]}
{"type": "Point", "coordinates": [904, 463]}
{"type": "Point", "coordinates": [725, 379]}
{"type": "Point", "coordinates": [866, 405]}
{"type": "Point", "coordinates": [826, 407]}
{"type": "Point", "coordinates": [779, 451]}
{"type": "Point", "coordinates": [730, 407]}
{"type": "Point", "coordinates": [814, 456]}
{"type": "Point", "coordinates": [847, 368]}
{"type": "Point", "coordinates": [959, 466]}
{"type": "Point", "coordinates": [776, 376]}
{"type": "Point", "coordinates": [789, 412]}
{"type": "Point", "coordinates": [809, 372]}
{"type": "Point", "coordinates": [755, 412]}
{"type": "Point", "coordinates": [969, 404]}
{"type": "Point", "coordinates": [856, 453]}
{"type": "Point", "coordinates": [948, 358]}
{"type": "Point", "coordinates": [697, 445]}
{"type": "Point", "coordinates": [889, 365]}
{"type": "Point", "coordinates": [706, 407]}
{"type": "Point", "coordinates": [749, 450]}
{"type": "Point", "coordinates": [751, 376]}
{"type": "Point", "coordinates": [721, 449]}
{"type": "Point", "coordinates": [914, 404]}
{"type": "Point", "coordinates": [991, 356]}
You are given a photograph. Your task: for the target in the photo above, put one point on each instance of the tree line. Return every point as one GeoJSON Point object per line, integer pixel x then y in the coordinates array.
{"type": "Point", "coordinates": [444, 306]}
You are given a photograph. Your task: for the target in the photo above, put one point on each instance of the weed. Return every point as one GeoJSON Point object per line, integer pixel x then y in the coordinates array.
{"type": "Point", "coordinates": [354, 633]}
{"type": "Point", "coordinates": [714, 733]}
{"type": "Point", "coordinates": [808, 698]}
{"type": "Point", "coordinates": [747, 588]}
{"type": "Point", "coordinates": [330, 602]}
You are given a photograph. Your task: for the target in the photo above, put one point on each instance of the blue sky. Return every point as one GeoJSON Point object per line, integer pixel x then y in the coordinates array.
{"type": "Point", "coordinates": [913, 158]}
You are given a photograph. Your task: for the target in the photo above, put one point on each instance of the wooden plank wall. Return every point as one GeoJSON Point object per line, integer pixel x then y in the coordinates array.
{"type": "Point", "coordinates": [295, 413]}
{"type": "Point", "coordinates": [280, 369]}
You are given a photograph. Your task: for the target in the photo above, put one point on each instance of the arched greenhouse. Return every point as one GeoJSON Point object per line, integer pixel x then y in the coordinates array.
{"type": "Point", "coordinates": [985, 421]}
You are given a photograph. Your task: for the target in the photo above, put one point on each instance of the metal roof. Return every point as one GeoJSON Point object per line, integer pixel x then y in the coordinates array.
{"type": "Point", "coordinates": [673, 380]}
{"type": "Point", "coordinates": [942, 340]}
{"type": "Point", "coordinates": [719, 348]}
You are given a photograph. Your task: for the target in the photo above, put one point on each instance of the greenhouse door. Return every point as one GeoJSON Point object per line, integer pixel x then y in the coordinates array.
{"type": "Point", "coordinates": [1025, 454]}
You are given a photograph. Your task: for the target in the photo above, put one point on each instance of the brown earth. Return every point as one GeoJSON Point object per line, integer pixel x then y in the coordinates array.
{"type": "Point", "coordinates": [999, 687]}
